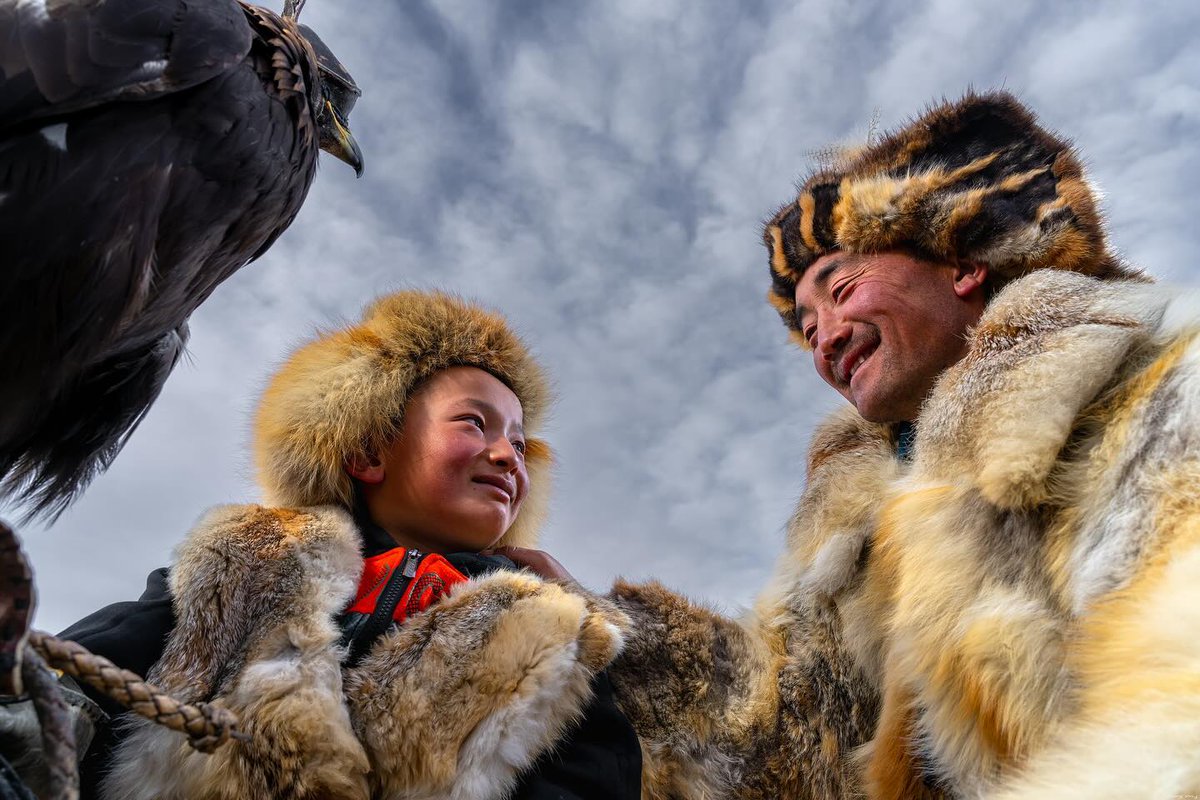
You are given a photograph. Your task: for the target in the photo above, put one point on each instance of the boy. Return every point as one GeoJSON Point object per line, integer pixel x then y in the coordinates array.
{"type": "Point", "coordinates": [390, 454]}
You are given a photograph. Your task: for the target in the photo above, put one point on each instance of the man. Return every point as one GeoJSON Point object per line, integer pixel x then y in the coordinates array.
{"type": "Point", "coordinates": [992, 581]}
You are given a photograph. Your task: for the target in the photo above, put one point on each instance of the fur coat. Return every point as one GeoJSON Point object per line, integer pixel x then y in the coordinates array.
{"type": "Point", "coordinates": [452, 704]}
{"type": "Point", "coordinates": [1013, 614]}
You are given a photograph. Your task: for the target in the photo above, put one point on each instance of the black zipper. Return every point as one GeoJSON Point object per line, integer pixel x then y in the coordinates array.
{"type": "Point", "coordinates": [381, 618]}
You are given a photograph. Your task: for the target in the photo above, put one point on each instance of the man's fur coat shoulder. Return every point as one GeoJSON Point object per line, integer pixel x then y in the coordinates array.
{"type": "Point", "coordinates": [454, 703]}
{"type": "Point", "coordinates": [1012, 615]}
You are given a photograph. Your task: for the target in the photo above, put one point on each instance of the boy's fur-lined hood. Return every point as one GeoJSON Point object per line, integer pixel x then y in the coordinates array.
{"type": "Point", "coordinates": [973, 180]}
{"type": "Point", "coordinates": [344, 393]}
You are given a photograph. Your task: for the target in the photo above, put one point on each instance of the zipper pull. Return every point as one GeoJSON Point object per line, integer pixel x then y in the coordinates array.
{"type": "Point", "coordinates": [411, 560]}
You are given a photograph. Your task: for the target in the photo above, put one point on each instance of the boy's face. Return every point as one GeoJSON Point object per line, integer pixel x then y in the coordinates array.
{"type": "Point", "coordinates": [455, 477]}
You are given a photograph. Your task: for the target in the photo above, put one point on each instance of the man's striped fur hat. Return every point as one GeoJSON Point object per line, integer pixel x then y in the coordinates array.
{"type": "Point", "coordinates": [975, 180]}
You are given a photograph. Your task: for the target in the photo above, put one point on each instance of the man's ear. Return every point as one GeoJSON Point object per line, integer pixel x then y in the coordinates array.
{"type": "Point", "coordinates": [969, 277]}
{"type": "Point", "coordinates": [368, 469]}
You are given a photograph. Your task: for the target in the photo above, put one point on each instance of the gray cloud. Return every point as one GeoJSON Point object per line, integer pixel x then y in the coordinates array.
{"type": "Point", "coordinates": [599, 172]}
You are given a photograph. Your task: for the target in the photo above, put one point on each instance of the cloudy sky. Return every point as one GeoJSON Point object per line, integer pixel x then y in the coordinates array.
{"type": "Point", "coordinates": [599, 171]}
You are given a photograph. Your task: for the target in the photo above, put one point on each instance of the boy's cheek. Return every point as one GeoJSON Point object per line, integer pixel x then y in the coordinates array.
{"type": "Point", "coordinates": [514, 510]}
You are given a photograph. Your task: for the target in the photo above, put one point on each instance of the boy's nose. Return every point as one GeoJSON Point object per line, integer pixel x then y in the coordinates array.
{"type": "Point", "coordinates": [502, 453]}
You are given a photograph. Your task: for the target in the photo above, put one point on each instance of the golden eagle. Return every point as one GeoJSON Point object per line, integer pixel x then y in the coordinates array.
{"type": "Point", "coordinates": [148, 150]}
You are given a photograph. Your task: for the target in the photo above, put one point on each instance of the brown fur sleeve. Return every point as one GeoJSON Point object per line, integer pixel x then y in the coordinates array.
{"type": "Point", "coordinates": [459, 700]}
{"type": "Point", "coordinates": [684, 675]}
{"type": "Point", "coordinates": [677, 673]}
{"type": "Point", "coordinates": [255, 592]}
{"type": "Point", "coordinates": [754, 710]}
{"type": "Point", "coordinates": [775, 704]}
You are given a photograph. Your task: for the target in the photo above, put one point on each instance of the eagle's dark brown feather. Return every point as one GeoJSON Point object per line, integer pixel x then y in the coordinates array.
{"type": "Point", "coordinates": [148, 150]}
{"type": "Point", "coordinates": [61, 57]}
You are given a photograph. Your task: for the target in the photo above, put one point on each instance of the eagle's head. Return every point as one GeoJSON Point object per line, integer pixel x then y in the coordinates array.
{"type": "Point", "coordinates": [338, 95]}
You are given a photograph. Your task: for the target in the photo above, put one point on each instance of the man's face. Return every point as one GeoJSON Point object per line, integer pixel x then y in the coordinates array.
{"type": "Point", "coordinates": [882, 327]}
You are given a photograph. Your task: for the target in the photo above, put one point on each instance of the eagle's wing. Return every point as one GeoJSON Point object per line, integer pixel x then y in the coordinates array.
{"type": "Point", "coordinates": [89, 426]}
{"type": "Point", "coordinates": [148, 150]}
{"type": "Point", "coordinates": [61, 56]}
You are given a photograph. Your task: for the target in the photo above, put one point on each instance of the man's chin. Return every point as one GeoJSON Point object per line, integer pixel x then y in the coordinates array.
{"type": "Point", "coordinates": [872, 408]}
{"type": "Point", "coordinates": [881, 418]}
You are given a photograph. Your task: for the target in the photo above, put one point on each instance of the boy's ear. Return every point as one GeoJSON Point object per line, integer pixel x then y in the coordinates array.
{"type": "Point", "coordinates": [368, 469]}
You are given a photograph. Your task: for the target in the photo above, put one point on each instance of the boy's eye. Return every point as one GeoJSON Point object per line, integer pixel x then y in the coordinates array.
{"type": "Point", "coordinates": [519, 446]}
{"type": "Point", "coordinates": [475, 420]}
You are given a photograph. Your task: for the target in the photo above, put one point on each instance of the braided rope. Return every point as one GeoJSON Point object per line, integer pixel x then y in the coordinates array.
{"type": "Point", "coordinates": [58, 732]}
{"type": "Point", "coordinates": [16, 607]}
{"type": "Point", "coordinates": [206, 726]}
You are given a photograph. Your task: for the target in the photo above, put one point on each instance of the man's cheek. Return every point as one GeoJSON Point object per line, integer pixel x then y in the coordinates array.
{"type": "Point", "coordinates": [821, 367]}
{"type": "Point", "coordinates": [827, 376]}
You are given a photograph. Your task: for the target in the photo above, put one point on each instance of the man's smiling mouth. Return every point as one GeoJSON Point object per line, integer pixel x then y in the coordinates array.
{"type": "Point", "coordinates": [854, 369]}
{"type": "Point", "coordinates": [856, 358]}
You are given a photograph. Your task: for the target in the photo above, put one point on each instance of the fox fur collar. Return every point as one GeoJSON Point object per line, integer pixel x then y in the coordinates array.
{"type": "Point", "coordinates": [1057, 469]}
{"type": "Point", "coordinates": [452, 704]}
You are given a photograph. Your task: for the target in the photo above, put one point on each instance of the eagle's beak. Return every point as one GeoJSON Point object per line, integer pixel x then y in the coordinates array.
{"type": "Point", "coordinates": [344, 148]}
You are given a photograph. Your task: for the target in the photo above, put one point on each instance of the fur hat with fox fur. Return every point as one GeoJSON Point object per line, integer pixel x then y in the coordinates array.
{"type": "Point", "coordinates": [344, 393]}
{"type": "Point", "coordinates": [975, 180]}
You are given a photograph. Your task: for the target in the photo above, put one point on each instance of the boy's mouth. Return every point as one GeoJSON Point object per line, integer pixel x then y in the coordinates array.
{"type": "Point", "coordinates": [500, 482]}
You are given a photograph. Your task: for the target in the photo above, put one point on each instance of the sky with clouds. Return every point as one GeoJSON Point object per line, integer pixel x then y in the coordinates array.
{"type": "Point", "coordinates": [599, 171]}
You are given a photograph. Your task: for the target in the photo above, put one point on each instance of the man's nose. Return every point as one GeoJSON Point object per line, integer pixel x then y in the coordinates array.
{"type": "Point", "coordinates": [831, 340]}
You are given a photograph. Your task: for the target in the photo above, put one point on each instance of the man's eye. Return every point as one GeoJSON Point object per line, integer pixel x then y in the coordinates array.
{"type": "Point", "coordinates": [810, 334]}
{"type": "Point", "coordinates": [519, 446]}
{"type": "Point", "coordinates": [836, 291]}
